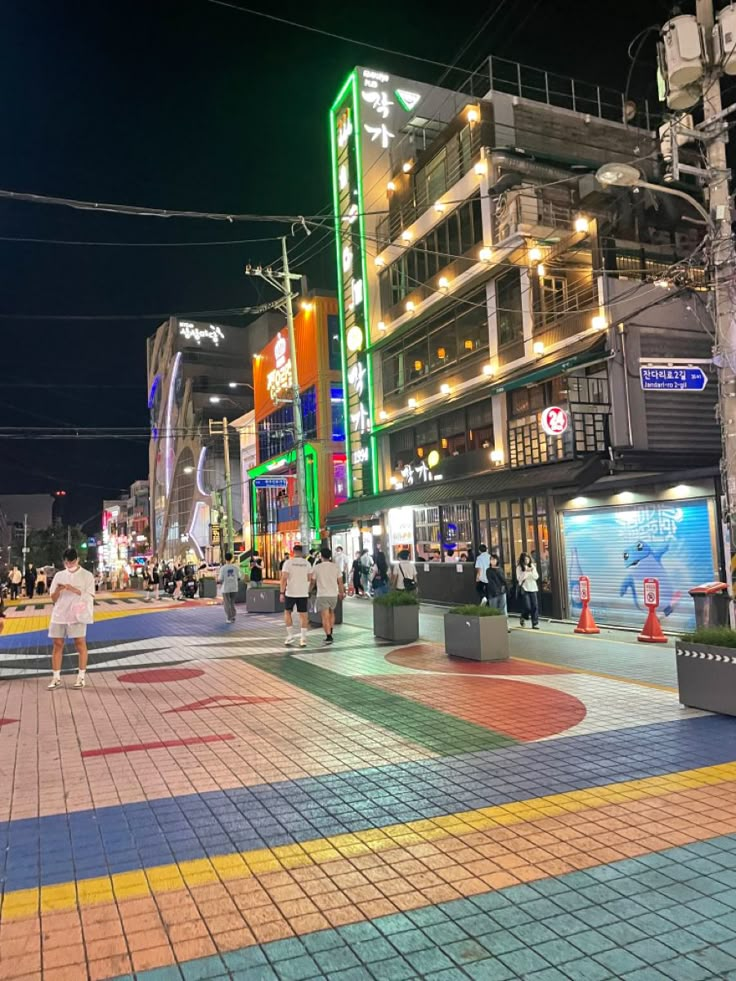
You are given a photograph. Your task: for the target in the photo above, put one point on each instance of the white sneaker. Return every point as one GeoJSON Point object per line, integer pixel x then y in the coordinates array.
{"type": "Point", "coordinates": [484, 601]}
{"type": "Point", "coordinates": [55, 683]}
{"type": "Point", "coordinates": [289, 642]}
{"type": "Point", "coordinates": [302, 643]}
{"type": "Point", "coordinates": [80, 682]}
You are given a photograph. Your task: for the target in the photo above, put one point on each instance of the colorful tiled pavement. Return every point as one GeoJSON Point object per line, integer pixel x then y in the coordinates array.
{"type": "Point", "coordinates": [215, 806]}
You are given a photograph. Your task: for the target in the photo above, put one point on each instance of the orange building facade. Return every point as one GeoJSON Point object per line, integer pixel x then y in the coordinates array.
{"type": "Point", "coordinates": [274, 503]}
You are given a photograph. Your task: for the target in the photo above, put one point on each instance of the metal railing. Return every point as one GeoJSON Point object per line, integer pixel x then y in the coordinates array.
{"type": "Point", "coordinates": [500, 75]}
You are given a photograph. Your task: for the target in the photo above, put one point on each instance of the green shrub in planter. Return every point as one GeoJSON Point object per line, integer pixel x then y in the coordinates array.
{"type": "Point", "coordinates": [397, 597]}
{"type": "Point", "coordinates": [479, 633]}
{"type": "Point", "coordinates": [706, 665]}
{"type": "Point", "coordinates": [711, 636]}
{"type": "Point", "coordinates": [472, 610]}
{"type": "Point", "coordinates": [396, 616]}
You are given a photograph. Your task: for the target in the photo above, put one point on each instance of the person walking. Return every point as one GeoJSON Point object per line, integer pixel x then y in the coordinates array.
{"type": "Point", "coordinates": [179, 581]}
{"type": "Point", "coordinates": [256, 568]}
{"type": "Point", "coordinates": [30, 578]}
{"type": "Point", "coordinates": [497, 587]}
{"type": "Point", "coordinates": [73, 596]}
{"type": "Point", "coordinates": [482, 564]}
{"type": "Point", "coordinates": [366, 565]}
{"type": "Point", "coordinates": [295, 594]}
{"type": "Point", "coordinates": [380, 573]}
{"type": "Point", "coordinates": [341, 561]}
{"type": "Point", "coordinates": [328, 580]}
{"type": "Point", "coordinates": [405, 576]}
{"type": "Point", "coordinates": [156, 581]}
{"type": "Point", "coordinates": [527, 576]}
{"type": "Point", "coordinates": [229, 578]}
{"type": "Point", "coordinates": [15, 579]}
{"type": "Point", "coordinates": [357, 576]}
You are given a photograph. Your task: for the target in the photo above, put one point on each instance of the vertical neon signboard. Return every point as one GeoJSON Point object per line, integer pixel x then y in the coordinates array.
{"type": "Point", "coordinates": [352, 282]}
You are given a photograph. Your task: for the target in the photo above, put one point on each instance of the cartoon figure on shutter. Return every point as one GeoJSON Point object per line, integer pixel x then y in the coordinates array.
{"type": "Point", "coordinates": [645, 562]}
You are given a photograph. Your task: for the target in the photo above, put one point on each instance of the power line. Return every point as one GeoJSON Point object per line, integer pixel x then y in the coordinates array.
{"type": "Point", "coordinates": [138, 245]}
{"type": "Point", "coordinates": [331, 34]}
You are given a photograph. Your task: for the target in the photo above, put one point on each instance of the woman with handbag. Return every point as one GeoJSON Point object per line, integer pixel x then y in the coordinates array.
{"type": "Point", "coordinates": [526, 577]}
{"type": "Point", "coordinates": [405, 575]}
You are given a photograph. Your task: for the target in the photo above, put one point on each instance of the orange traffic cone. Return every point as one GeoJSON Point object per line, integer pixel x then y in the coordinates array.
{"type": "Point", "coordinates": [652, 632]}
{"type": "Point", "coordinates": [586, 623]}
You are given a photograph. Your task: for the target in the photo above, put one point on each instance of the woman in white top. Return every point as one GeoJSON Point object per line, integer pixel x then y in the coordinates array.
{"type": "Point", "coordinates": [526, 577]}
{"type": "Point", "coordinates": [405, 573]}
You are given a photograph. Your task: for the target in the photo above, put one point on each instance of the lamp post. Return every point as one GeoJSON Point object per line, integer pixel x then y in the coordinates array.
{"type": "Point", "coordinates": [724, 316]}
{"type": "Point", "coordinates": [216, 428]}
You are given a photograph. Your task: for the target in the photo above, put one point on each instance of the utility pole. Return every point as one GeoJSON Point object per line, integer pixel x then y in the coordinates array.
{"type": "Point", "coordinates": [25, 541]}
{"type": "Point", "coordinates": [220, 427]}
{"type": "Point", "coordinates": [281, 281]}
{"type": "Point", "coordinates": [717, 186]}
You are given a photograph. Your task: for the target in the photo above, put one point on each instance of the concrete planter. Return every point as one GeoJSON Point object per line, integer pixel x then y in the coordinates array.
{"type": "Point", "coordinates": [263, 599]}
{"type": "Point", "coordinates": [477, 638]}
{"type": "Point", "coordinates": [706, 676]}
{"type": "Point", "coordinates": [207, 588]}
{"type": "Point", "coordinates": [397, 623]}
{"type": "Point", "coordinates": [315, 617]}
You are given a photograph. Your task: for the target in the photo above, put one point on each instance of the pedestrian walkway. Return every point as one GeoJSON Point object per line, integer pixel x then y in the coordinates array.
{"type": "Point", "coordinates": [215, 805]}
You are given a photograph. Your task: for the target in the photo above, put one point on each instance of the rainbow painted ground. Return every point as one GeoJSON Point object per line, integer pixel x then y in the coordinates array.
{"type": "Point", "coordinates": [214, 805]}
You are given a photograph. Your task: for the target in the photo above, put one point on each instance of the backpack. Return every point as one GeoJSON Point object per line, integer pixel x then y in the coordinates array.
{"type": "Point", "coordinates": [409, 584]}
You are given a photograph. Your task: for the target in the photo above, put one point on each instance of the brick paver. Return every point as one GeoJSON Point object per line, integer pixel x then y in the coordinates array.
{"type": "Point", "coordinates": [214, 805]}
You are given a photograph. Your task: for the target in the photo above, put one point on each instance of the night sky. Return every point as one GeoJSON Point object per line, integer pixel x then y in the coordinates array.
{"type": "Point", "coordinates": [183, 104]}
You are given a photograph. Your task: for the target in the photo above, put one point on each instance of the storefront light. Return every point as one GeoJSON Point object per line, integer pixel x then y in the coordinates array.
{"type": "Point", "coordinates": [383, 415]}
{"type": "Point", "coordinates": [411, 403]}
{"type": "Point", "coordinates": [407, 165]}
{"type": "Point", "coordinates": [406, 235]}
{"type": "Point", "coordinates": [485, 254]}
{"type": "Point", "coordinates": [472, 114]}
{"type": "Point", "coordinates": [439, 207]}
{"type": "Point", "coordinates": [579, 501]}
{"type": "Point", "coordinates": [445, 389]}
{"type": "Point", "coordinates": [626, 496]}
{"type": "Point", "coordinates": [443, 282]}
{"type": "Point", "coordinates": [680, 489]}
{"type": "Point", "coordinates": [496, 456]}
{"type": "Point", "coordinates": [410, 306]}
{"type": "Point", "coordinates": [390, 187]}
{"type": "Point", "coordinates": [433, 459]}
{"type": "Point", "coordinates": [481, 168]}
{"type": "Point", "coordinates": [581, 224]}
{"type": "Point", "coordinates": [538, 348]}
{"type": "Point", "coordinates": [541, 270]}
{"type": "Point", "coordinates": [599, 322]}
{"type": "Point", "coordinates": [381, 325]}
{"type": "Point", "coordinates": [488, 370]}
{"type": "Point", "coordinates": [188, 469]}
{"type": "Point", "coordinates": [306, 305]}
{"type": "Point", "coordinates": [380, 261]}
{"type": "Point", "coordinates": [535, 254]}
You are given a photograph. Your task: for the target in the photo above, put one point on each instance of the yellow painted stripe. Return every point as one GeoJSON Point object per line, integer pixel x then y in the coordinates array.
{"type": "Point", "coordinates": [28, 625]}
{"type": "Point", "coordinates": [203, 871]}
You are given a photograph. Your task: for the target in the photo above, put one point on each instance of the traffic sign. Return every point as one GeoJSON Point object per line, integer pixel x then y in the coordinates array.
{"type": "Point", "coordinates": [272, 483]}
{"type": "Point", "coordinates": [680, 379]}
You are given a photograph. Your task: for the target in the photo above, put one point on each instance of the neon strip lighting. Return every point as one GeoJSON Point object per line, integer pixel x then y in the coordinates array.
{"type": "Point", "coordinates": [169, 407]}
{"type": "Point", "coordinates": [152, 393]}
{"type": "Point", "coordinates": [192, 539]}
{"type": "Point", "coordinates": [200, 471]}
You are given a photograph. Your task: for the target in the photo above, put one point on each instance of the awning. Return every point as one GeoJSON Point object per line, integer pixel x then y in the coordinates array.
{"type": "Point", "coordinates": [577, 355]}
{"type": "Point", "coordinates": [502, 483]}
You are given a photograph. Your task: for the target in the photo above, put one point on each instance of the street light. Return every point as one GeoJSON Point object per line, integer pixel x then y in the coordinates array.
{"type": "Point", "coordinates": [626, 175]}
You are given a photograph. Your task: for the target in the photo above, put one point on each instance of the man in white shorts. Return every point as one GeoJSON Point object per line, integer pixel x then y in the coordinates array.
{"type": "Point", "coordinates": [73, 596]}
{"type": "Point", "coordinates": [295, 593]}
{"type": "Point", "coordinates": [326, 574]}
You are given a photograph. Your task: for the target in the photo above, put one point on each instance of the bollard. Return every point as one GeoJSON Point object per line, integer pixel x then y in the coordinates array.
{"type": "Point", "coordinates": [586, 623]}
{"type": "Point", "coordinates": [652, 630]}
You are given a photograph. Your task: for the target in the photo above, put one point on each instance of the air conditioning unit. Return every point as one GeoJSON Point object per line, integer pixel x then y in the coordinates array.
{"type": "Point", "coordinates": [724, 39]}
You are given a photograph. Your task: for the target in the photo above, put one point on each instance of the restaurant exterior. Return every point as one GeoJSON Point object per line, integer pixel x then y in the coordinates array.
{"type": "Point", "coordinates": [274, 508]}
{"type": "Point", "coordinates": [495, 307]}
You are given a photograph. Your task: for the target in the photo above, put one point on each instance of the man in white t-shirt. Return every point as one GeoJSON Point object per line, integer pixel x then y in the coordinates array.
{"type": "Point", "coordinates": [341, 561]}
{"type": "Point", "coordinates": [73, 596]}
{"type": "Point", "coordinates": [481, 574]}
{"type": "Point", "coordinates": [295, 593]}
{"type": "Point", "coordinates": [330, 586]}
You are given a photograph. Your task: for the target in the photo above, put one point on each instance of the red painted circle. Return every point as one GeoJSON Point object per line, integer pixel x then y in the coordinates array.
{"type": "Point", "coordinates": [432, 657]}
{"type": "Point", "coordinates": [158, 675]}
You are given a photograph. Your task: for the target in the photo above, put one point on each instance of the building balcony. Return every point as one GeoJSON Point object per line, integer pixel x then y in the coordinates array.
{"type": "Point", "coordinates": [530, 446]}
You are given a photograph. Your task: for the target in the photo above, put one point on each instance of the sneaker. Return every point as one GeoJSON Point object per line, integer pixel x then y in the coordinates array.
{"type": "Point", "coordinates": [329, 639]}
{"type": "Point", "coordinates": [302, 643]}
{"type": "Point", "coordinates": [521, 621]}
{"type": "Point", "coordinates": [80, 682]}
{"type": "Point", "coordinates": [484, 601]}
{"type": "Point", "coordinates": [55, 683]}
{"type": "Point", "coordinates": [535, 626]}
{"type": "Point", "coordinates": [289, 642]}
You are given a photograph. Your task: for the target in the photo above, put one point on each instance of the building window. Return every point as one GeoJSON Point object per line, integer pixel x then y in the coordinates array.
{"type": "Point", "coordinates": [276, 431]}
{"type": "Point", "coordinates": [457, 530]}
{"type": "Point", "coordinates": [436, 344]}
{"type": "Point", "coordinates": [553, 298]}
{"type": "Point", "coordinates": [508, 308]}
{"type": "Point", "coordinates": [427, 534]}
{"type": "Point", "coordinates": [333, 344]}
{"type": "Point", "coordinates": [337, 406]}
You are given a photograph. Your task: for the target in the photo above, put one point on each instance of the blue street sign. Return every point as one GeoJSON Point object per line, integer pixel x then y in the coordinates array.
{"type": "Point", "coordinates": [277, 483]}
{"type": "Point", "coordinates": [678, 379]}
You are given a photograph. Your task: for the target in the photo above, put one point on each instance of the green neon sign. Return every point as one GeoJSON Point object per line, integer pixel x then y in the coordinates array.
{"type": "Point", "coordinates": [284, 460]}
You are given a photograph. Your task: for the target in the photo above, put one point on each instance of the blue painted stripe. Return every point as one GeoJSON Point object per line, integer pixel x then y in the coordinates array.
{"type": "Point", "coordinates": [576, 922]}
{"type": "Point", "coordinates": [87, 843]}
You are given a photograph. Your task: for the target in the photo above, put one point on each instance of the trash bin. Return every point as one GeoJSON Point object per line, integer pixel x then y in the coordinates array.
{"type": "Point", "coordinates": [711, 604]}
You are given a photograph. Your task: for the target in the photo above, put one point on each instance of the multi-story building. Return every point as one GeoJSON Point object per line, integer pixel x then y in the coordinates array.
{"type": "Point", "coordinates": [126, 539]}
{"type": "Point", "coordinates": [198, 374]}
{"type": "Point", "coordinates": [496, 304]}
{"type": "Point", "coordinates": [274, 498]}
{"type": "Point", "coordinates": [245, 427]}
